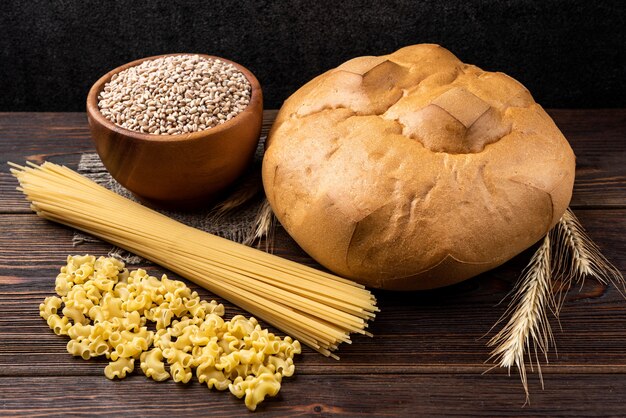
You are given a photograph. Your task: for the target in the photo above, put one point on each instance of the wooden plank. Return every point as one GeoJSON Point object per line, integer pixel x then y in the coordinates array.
{"type": "Point", "coordinates": [339, 395]}
{"type": "Point", "coordinates": [38, 137]}
{"type": "Point", "coordinates": [597, 136]}
{"type": "Point", "coordinates": [437, 331]}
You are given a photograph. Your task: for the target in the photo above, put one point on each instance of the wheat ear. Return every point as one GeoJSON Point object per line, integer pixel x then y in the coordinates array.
{"type": "Point", "coordinates": [585, 258]}
{"type": "Point", "coordinates": [264, 224]}
{"type": "Point", "coordinates": [528, 323]}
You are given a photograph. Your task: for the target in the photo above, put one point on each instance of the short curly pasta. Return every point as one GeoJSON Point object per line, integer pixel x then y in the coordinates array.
{"type": "Point", "coordinates": [105, 311]}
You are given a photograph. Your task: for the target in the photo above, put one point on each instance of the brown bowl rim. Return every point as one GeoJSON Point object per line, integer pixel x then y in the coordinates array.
{"type": "Point", "coordinates": [94, 111]}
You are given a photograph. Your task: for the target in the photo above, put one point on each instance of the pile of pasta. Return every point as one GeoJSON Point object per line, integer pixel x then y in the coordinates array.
{"type": "Point", "coordinates": [105, 310]}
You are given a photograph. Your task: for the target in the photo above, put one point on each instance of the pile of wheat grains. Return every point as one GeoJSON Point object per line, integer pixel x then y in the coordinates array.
{"type": "Point", "coordinates": [176, 94]}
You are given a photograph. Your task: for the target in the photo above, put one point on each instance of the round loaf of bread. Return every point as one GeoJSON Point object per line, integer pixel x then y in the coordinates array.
{"type": "Point", "coordinates": [414, 170]}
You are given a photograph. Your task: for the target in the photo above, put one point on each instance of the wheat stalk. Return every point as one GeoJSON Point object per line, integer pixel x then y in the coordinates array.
{"type": "Point", "coordinates": [528, 323]}
{"type": "Point", "coordinates": [567, 254]}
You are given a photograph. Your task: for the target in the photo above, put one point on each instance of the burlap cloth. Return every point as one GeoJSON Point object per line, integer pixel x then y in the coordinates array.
{"type": "Point", "coordinates": [237, 224]}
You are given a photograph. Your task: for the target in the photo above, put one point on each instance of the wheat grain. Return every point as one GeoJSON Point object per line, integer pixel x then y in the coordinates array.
{"type": "Point", "coordinates": [175, 94]}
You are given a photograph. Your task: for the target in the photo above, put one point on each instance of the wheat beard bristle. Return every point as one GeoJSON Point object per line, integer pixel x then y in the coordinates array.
{"type": "Point", "coordinates": [566, 255]}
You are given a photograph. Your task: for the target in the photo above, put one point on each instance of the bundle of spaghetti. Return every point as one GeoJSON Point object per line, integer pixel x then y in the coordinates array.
{"type": "Point", "coordinates": [317, 308]}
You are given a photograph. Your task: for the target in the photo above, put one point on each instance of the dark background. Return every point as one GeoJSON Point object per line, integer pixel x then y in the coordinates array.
{"type": "Point", "coordinates": [568, 53]}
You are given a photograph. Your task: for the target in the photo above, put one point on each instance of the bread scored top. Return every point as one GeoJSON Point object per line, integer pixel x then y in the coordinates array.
{"type": "Point", "coordinates": [414, 170]}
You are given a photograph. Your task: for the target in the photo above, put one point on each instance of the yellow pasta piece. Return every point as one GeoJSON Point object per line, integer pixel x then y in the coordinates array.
{"type": "Point", "coordinates": [213, 322]}
{"type": "Point", "coordinates": [115, 339]}
{"type": "Point", "coordinates": [153, 366]}
{"type": "Point", "coordinates": [119, 368]}
{"type": "Point", "coordinates": [214, 379]}
{"type": "Point", "coordinates": [212, 308]}
{"type": "Point", "coordinates": [229, 343]}
{"type": "Point", "coordinates": [73, 311]}
{"type": "Point", "coordinates": [112, 306]}
{"type": "Point", "coordinates": [77, 297]}
{"type": "Point", "coordinates": [283, 366]}
{"type": "Point", "coordinates": [177, 306]}
{"type": "Point", "coordinates": [98, 346]}
{"type": "Point", "coordinates": [108, 267]}
{"type": "Point", "coordinates": [79, 349]}
{"type": "Point", "coordinates": [255, 389]}
{"type": "Point", "coordinates": [97, 314]}
{"type": "Point", "coordinates": [50, 306]}
{"type": "Point", "coordinates": [80, 332]}
{"type": "Point", "coordinates": [174, 356]}
{"type": "Point", "coordinates": [93, 292]}
{"type": "Point", "coordinates": [208, 354]}
{"type": "Point", "coordinates": [104, 284]}
{"type": "Point", "coordinates": [163, 317]}
{"type": "Point", "coordinates": [259, 369]}
{"type": "Point", "coordinates": [180, 373]}
{"type": "Point", "coordinates": [101, 329]}
{"type": "Point", "coordinates": [200, 337]}
{"type": "Point", "coordinates": [59, 325]}
{"type": "Point", "coordinates": [83, 273]}
{"type": "Point", "coordinates": [121, 291]}
{"type": "Point", "coordinates": [76, 261]}
{"type": "Point", "coordinates": [291, 347]}
{"type": "Point", "coordinates": [183, 341]}
{"type": "Point", "coordinates": [129, 323]}
{"type": "Point", "coordinates": [138, 302]}
{"type": "Point", "coordinates": [240, 326]}
{"type": "Point", "coordinates": [130, 349]}
{"type": "Point", "coordinates": [62, 284]}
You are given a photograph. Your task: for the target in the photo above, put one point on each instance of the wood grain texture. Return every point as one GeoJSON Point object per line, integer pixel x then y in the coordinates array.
{"type": "Point", "coordinates": [362, 395]}
{"type": "Point", "coordinates": [428, 353]}
{"type": "Point", "coordinates": [598, 139]}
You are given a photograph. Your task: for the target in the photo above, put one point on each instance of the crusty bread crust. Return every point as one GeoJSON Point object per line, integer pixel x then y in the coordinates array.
{"type": "Point", "coordinates": [414, 170]}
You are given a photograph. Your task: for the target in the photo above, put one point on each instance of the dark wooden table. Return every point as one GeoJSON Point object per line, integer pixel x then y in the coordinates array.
{"type": "Point", "coordinates": [427, 356]}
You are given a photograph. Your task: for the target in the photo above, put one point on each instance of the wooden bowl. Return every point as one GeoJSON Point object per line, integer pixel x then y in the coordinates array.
{"type": "Point", "coordinates": [180, 171]}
